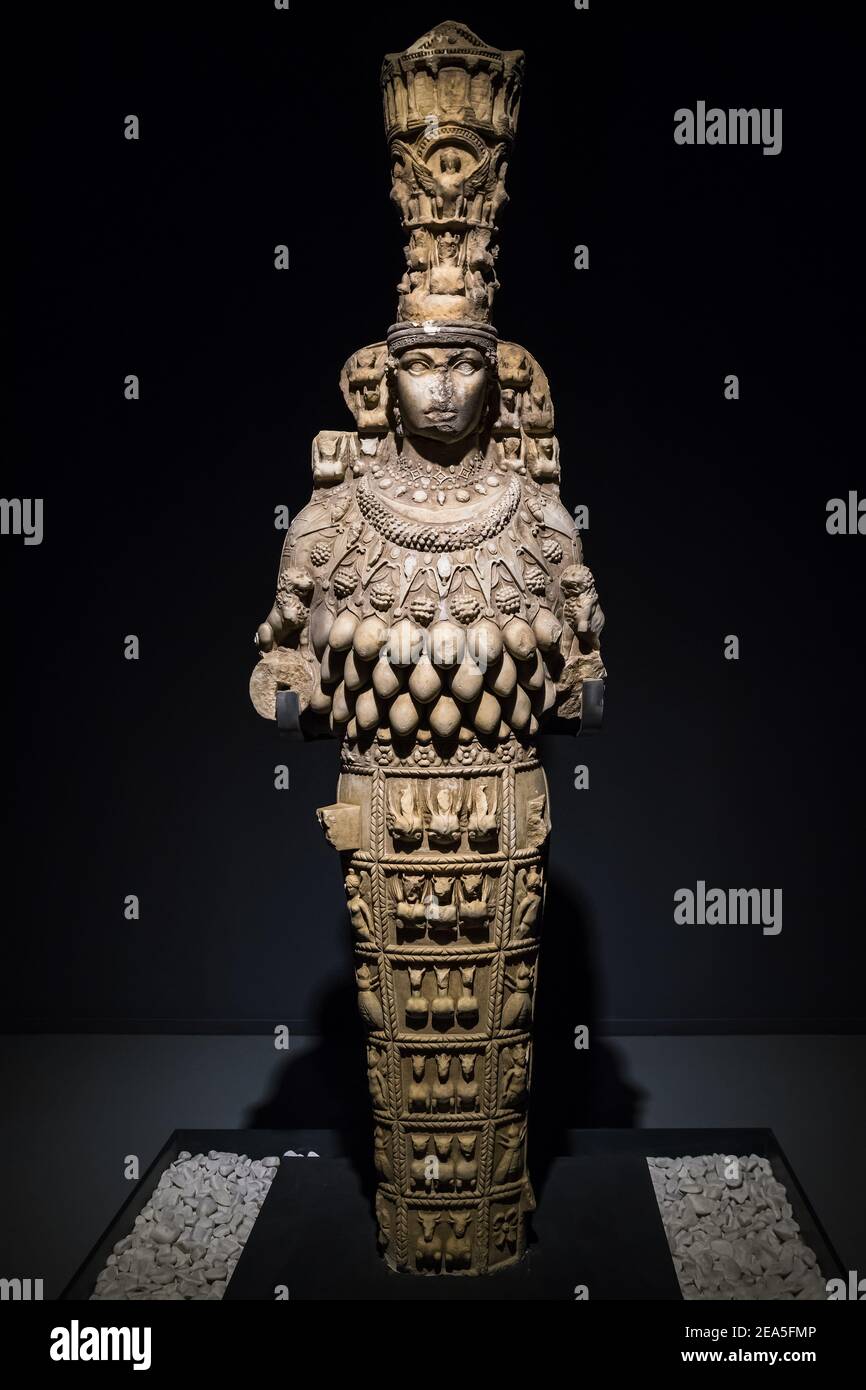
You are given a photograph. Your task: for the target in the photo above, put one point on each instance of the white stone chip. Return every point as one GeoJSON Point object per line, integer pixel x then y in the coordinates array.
{"type": "Point", "coordinates": [731, 1230]}
{"type": "Point", "coordinates": [187, 1240]}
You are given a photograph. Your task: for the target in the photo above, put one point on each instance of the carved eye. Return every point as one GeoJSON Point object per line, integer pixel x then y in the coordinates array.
{"type": "Point", "coordinates": [416, 368]}
{"type": "Point", "coordinates": [466, 367]}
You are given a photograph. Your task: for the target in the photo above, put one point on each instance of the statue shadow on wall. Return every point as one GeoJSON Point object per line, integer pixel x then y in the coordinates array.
{"type": "Point", "coordinates": [325, 1086]}
{"type": "Point", "coordinates": [572, 1087]}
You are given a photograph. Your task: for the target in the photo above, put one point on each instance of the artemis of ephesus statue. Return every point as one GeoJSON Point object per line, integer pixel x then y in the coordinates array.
{"type": "Point", "coordinates": [432, 611]}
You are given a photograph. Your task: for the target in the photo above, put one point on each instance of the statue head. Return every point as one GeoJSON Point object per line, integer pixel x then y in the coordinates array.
{"type": "Point", "coordinates": [441, 392]}
{"type": "Point", "coordinates": [413, 886]}
{"type": "Point", "coordinates": [441, 380]}
{"type": "Point", "coordinates": [471, 885]}
{"type": "Point", "coordinates": [576, 580]}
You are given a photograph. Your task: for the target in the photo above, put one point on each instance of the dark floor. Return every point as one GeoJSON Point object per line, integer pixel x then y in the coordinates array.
{"type": "Point", "coordinates": [76, 1106]}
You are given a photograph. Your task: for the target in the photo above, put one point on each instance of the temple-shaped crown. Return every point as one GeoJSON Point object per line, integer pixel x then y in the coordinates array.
{"type": "Point", "coordinates": [450, 75]}
{"type": "Point", "coordinates": [451, 107]}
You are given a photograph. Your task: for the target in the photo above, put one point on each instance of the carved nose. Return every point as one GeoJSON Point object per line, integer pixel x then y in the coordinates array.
{"type": "Point", "coordinates": [443, 391]}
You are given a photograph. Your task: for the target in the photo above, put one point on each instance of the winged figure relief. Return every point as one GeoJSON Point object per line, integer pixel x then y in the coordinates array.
{"type": "Point", "coordinates": [452, 177]}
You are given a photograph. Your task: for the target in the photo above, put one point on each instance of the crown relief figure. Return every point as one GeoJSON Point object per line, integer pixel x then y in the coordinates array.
{"type": "Point", "coordinates": [433, 609]}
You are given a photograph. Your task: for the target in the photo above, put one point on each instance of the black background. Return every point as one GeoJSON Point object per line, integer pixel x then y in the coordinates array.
{"type": "Point", "coordinates": [707, 517]}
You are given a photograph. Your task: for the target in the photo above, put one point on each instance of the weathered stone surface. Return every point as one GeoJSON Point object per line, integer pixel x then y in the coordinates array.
{"type": "Point", "coordinates": [189, 1257]}
{"type": "Point", "coordinates": [280, 669]}
{"type": "Point", "coordinates": [435, 585]}
{"type": "Point", "coordinates": [729, 1227]}
{"type": "Point", "coordinates": [341, 824]}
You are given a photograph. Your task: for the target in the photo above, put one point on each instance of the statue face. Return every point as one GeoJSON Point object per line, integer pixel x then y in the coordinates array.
{"type": "Point", "coordinates": [441, 391]}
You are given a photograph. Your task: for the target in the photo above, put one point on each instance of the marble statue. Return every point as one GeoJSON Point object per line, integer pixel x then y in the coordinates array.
{"type": "Point", "coordinates": [432, 612]}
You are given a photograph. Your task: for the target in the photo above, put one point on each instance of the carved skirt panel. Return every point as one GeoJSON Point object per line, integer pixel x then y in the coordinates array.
{"type": "Point", "coordinates": [445, 894]}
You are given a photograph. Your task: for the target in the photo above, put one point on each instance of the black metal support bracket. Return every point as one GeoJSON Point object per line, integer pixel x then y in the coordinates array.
{"type": "Point", "coordinates": [591, 706]}
{"type": "Point", "coordinates": [289, 714]}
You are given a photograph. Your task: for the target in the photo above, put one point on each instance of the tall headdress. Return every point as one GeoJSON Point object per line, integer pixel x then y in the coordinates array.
{"type": "Point", "coordinates": [451, 106]}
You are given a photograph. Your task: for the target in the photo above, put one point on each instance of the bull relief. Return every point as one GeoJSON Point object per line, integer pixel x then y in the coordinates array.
{"type": "Point", "coordinates": [433, 611]}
